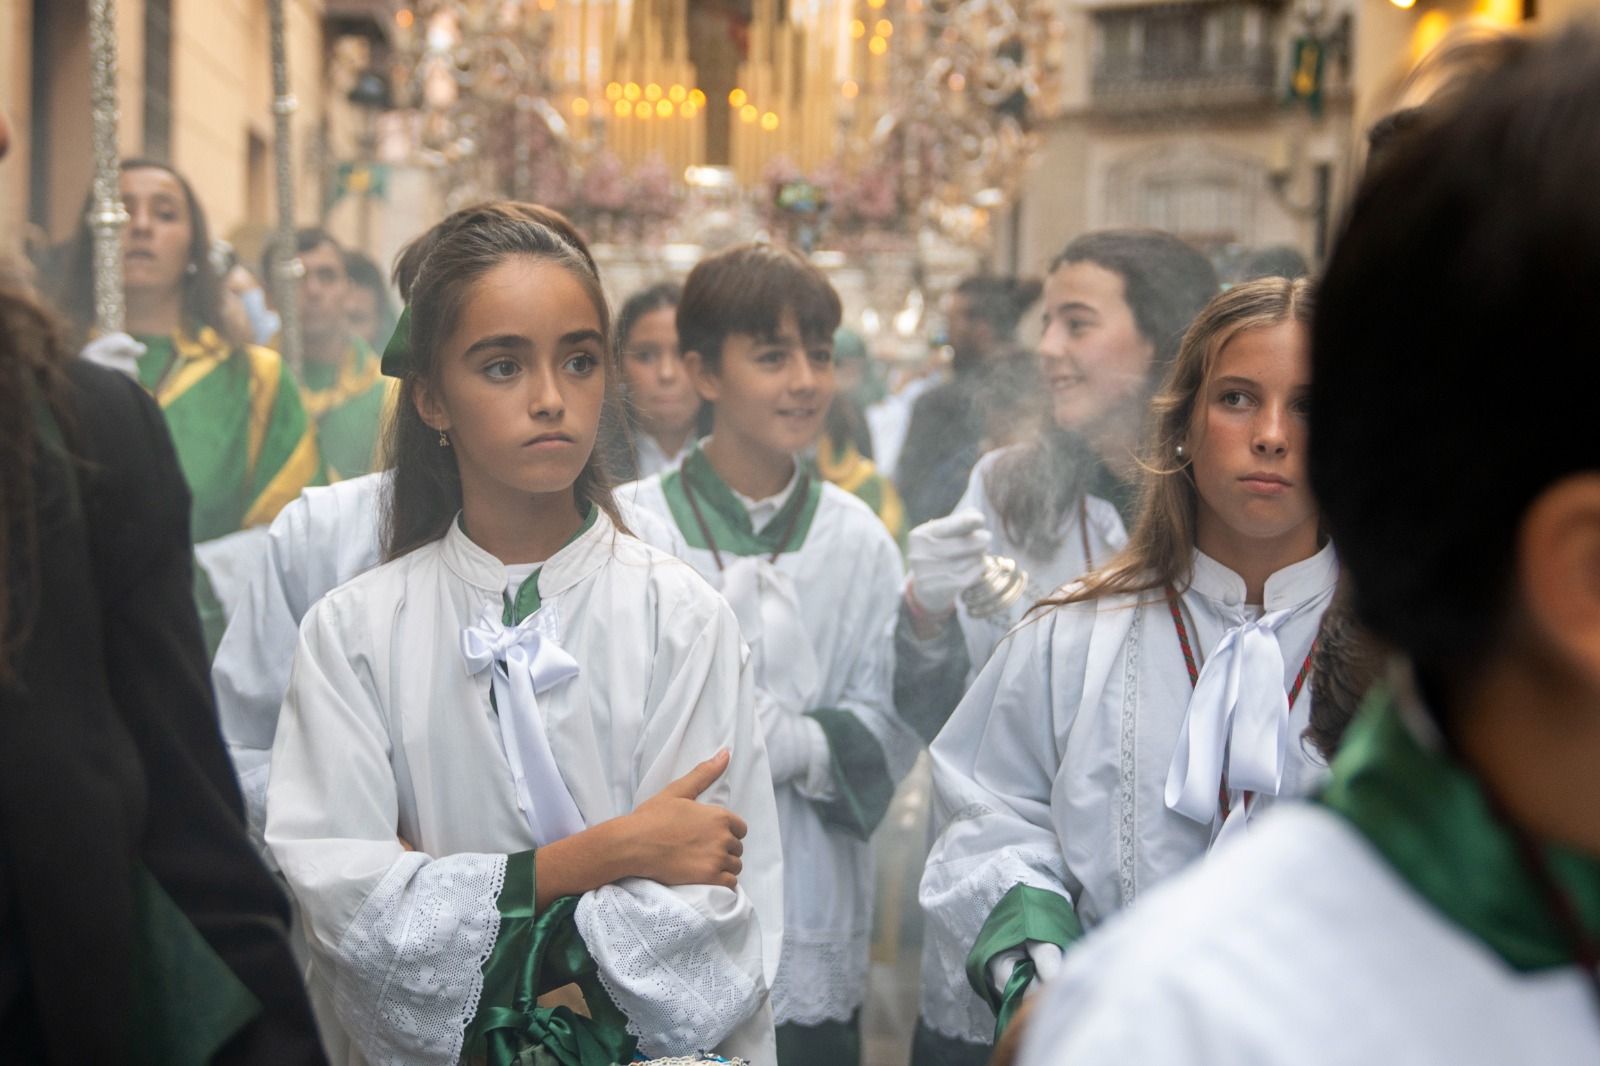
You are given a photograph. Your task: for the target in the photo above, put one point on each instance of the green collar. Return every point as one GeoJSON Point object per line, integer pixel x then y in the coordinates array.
{"type": "Point", "coordinates": [1429, 819]}
{"type": "Point", "coordinates": [727, 520]}
{"type": "Point", "coordinates": [527, 602]}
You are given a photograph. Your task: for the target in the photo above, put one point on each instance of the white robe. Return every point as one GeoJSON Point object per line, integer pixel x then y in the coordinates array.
{"type": "Point", "coordinates": [847, 577]}
{"type": "Point", "coordinates": [1301, 944]}
{"type": "Point", "coordinates": [385, 732]}
{"type": "Point", "coordinates": [1052, 772]}
{"type": "Point", "coordinates": [322, 539]}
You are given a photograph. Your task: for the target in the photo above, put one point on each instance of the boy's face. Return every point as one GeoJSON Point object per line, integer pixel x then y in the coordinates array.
{"type": "Point", "coordinates": [772, 392]}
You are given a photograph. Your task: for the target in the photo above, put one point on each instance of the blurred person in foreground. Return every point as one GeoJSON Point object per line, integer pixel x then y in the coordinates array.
{"type": "Point", "coordinates": [135, 923]}
{"type": "Point", "coordinates": [942, 442]}
{"type": "Point", "coordinates": [1440, 903]}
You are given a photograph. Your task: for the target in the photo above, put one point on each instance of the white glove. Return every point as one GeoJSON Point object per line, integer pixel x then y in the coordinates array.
{"type": "Point", "coordinates": [115, 351]}
{"type": "Point", "coordinates": [945, 555]}
{"type": "Point", "coordinates": [796, 745]}
{"type": "Point", "coordinates": [1047, 959]}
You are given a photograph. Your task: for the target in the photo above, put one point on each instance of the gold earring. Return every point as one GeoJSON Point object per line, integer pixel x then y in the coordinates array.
{"type": "Point", "coordinates": [444, 439]}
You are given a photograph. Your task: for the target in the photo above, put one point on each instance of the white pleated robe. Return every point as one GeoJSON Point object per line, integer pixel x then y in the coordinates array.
{"type": "Point", "coordinates": [847, 575]}
{"type": "Point", "coordinates": [384, 734]}
{"type": "Point", "coordinates": [323, 538]}
{"type": "Point", "coordinates": [1052, 772]}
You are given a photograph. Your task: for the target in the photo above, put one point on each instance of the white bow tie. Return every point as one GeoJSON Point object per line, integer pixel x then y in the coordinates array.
{"type": "Point", "coordinates": [1237, 725]}
{"type": "Point", "coordinates": [525, 663]}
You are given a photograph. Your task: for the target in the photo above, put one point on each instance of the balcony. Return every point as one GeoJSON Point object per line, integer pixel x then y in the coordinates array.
{"type": "Point", "coordinates": [1186, 57]}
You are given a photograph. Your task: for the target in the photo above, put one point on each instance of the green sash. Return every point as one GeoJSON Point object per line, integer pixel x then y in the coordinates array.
{"type": "Point", "coordinates": [1025, 913]}
{"type": "Point", "coordinates": [725, 516]}
{"type": "Point", "coordinates": [1428, 817]}
{"type": "Point", "coordinates": [242, 437]}
{"type": "Point", "coordinates": [347, 401]}
{"type": "Point", "coordinates": [536, 953]}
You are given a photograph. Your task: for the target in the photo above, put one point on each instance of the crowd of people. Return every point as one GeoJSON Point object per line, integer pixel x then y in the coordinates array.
{"type": "Point", "coordinates": [521, 682]}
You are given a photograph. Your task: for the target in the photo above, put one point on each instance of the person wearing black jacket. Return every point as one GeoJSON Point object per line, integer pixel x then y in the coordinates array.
{"type": "Point", "coordinates": [136, 922]}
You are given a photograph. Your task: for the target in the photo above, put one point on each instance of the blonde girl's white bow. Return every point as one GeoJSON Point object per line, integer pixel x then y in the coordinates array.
{"type": "Point", "coordinates": [523, 663]}
{"type": "Point", "coordinates": [1237, 725]}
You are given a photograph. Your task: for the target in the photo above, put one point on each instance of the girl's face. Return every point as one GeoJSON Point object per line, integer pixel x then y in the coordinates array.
{"type": "Point", "coordinates": [155, 245]}
{"type": "Point", "coordinates": [1247, 441]}
{"type": "Point", "coordinates": [772, 393]}
{"type": "Point", "coordinates": [658, 385]}
{"type": "Point", "coordinates": [1092, 355]}
{"type": "Point", "coordinates": [520, 381]}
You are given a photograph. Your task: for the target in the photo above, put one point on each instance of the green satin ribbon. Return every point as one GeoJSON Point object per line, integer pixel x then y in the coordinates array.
{"type": "Point", "coordinates": [1025, 913]}
{"type": "Point", "coordinates": [1428, 817]}
{"type": "Point", "coordinates": [1011, 996]}
{"type": "Point", "coordinates": [397, 353]}
{"type": "Point", "coordinates": [535, 953]}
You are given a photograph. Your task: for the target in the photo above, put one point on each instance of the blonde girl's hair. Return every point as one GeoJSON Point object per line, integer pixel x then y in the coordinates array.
{"type": "Point", "coordinates": [1160, 550]}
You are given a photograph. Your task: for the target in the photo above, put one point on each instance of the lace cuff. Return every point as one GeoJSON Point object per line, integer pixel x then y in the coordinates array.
{"type": "Point", "coordinates": [408, 971]}
{"type": "Point", "coordinates": [662, 964]}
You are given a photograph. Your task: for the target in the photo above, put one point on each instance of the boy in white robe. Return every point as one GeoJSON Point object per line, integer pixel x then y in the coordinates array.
{"type": "Point", "coordinates": [1440, 904]}
{"type": "Point", "coordinates": [814, 579]}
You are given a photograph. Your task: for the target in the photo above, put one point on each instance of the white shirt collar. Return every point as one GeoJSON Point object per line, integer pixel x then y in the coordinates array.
{"type": "Point", "coordinates": [574, 562]}
{"type": "Point", "coordinates": [763, 511]}
{"type": "Point", "coordinates": [1294, 584]}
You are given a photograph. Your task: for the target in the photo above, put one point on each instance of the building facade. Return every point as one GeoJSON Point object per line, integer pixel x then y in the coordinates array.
{"type": "Point", "coordinates": [194, 89]}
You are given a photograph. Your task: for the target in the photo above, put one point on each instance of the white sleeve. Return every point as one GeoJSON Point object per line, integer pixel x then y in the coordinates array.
{"type": "Point", "coordinates": [405, 936]}
{"type": "Point", "coordinates": [868, 691]}
{"type": "Point", "coordinates": [994, 765]}
{"type": "Point", "coordinates": [251, 670]}
{"type": "Point", "coordinates": [690, 966]}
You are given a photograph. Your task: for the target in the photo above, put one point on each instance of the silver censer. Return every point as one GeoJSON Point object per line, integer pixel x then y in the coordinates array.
{"type": "Point", "coordinates": [1000, 586]}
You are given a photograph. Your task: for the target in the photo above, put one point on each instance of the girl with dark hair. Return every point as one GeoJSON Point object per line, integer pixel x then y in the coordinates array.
{"type": "Point", "coordinates": [243, 438]}
{"type": "Point", "coordinates": [1142, 713]}
{"type": "Point", "coordinates": [1116, 304]}
{"type": "Point", "coordinates": [813, 578]}
{"type": "Point", "coordinates": [662, 407]}
{"type": "Point", "coordinates": [482, 776]}
{"type": "Point", "coordinates": [331, 534]}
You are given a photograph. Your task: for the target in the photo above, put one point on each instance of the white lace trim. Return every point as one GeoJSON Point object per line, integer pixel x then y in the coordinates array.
{"type": "Point", "coordinates": [409, 971]}
{"type": "Point", "coordinates": [958, 898]}
{"type": "Point", "coordinates": [820, 980]}
{"type": "Point", "coordinates": [1127, 805]}
{"type": "Point", "coordinates": [662, 965]}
